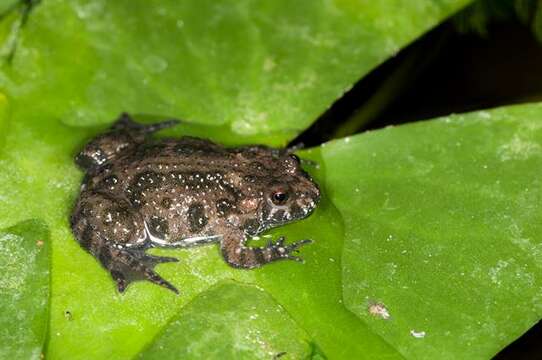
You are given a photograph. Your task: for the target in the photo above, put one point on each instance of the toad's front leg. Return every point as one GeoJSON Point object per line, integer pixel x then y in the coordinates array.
{"type": "Point", "coordinates": [238, 255]}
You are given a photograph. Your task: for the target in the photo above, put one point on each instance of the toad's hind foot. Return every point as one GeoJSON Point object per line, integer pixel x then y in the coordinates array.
{"type": "Point", "coordinates": [128, 265]}
{"type": "Point", "coordinates": [125, 122]}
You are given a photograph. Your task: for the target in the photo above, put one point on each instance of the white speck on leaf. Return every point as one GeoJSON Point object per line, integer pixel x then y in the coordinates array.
{"type": "Point", "coordinates": [518, 149]}
{"type": "Point", "coordinates": [494, 272]}
{"type": "Point", "coordinates": [417, 334]}
{"type": "Point", "coordinates": [379, 310]}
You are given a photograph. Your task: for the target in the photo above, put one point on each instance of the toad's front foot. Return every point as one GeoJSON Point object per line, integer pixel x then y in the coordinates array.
{"type": "Point", "coordinates": [281, 251]}
{"type": "Point", "coordinates": [238, 255]}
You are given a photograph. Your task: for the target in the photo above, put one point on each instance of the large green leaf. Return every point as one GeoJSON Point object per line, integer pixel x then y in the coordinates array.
{"type": "Point", "coordinates": [24, 290]}
{"type": "Point", "coordinates": [443, 253]}
{"type": "Point", "coordinates": [231, 321]}
{"type": "Point", "coordinates": [263, 70]}
{"type": "Point", "coordinates": [257, 67]}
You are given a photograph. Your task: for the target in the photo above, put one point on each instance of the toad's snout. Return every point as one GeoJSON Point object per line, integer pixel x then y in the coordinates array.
{"type": "Point", "coordinates": [308, 201]}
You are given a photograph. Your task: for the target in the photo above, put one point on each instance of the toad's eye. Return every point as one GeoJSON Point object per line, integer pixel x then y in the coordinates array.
{"type": "Point", "coordinates": [279, 197]}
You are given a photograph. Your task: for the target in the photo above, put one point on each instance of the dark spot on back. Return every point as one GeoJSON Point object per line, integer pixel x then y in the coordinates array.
{"type": "Point", "coordinates": [166, 203]}
{"type": "Point", "coordinates": [230, 189]}
{"type": "Point", "coordinates": [158, 227]}
{"type": "Point", "coordinates": [224, 207]}
{"type": "Point", "coordinates": [250, 178]}
{"type": "Point", "coordinates": [146, 181]}
{"type": "Point", "coordinates": [136, 199]}
{"type": "Point", "coordinates": [196, 217]}
{"type": "Point", "coordinates": [110, 181]}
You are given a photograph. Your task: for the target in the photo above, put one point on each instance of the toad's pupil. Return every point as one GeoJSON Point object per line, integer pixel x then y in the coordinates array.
{"type": "Point", "coordinates": [280, 197]}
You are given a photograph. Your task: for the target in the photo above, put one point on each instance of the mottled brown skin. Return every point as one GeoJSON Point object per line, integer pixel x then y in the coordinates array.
{"type": "Point", "coordinates": [140, 193]}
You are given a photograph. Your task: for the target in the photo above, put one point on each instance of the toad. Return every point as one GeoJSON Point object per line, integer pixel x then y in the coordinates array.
{"type": "Point", "coordinates": [140, 192]}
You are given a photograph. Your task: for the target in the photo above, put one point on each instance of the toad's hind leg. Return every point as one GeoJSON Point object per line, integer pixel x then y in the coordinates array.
{"type": "Point", "coordinates": [111, 232]}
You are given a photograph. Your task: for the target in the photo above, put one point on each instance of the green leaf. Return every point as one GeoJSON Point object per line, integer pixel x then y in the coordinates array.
{"type": "Point", "coordinates": [443, 254]}
{"type": "Point", "coordinates": [264, 70]}
{"type": "Point", "coordinates": [24, 290]}
{"type": "Point", "coordinates": [4, 117]}
{"type": "Point", "coordinates": [231, 321]}
{"type": "Point", "coordinates": [255, 67]}
{"type": "Point", "coordinates": [5, 5]}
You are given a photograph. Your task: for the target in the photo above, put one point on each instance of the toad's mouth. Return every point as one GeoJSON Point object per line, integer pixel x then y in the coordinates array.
{"type": "Point", "coordinates": [273, 215]}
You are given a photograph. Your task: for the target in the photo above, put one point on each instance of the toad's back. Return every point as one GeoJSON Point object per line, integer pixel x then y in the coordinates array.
{"type": "Point", "coordinates": [181, 188]}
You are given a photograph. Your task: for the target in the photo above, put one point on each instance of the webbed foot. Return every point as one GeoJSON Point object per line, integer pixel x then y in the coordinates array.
{"type": "Point", "coordinates": [125, 122]}
{"type": "Point", "coordinates": [238, 255]}
{"type": "Point", "coordinates": [128, 265]}
{"type": "Point", "coordinates": [279, 250]}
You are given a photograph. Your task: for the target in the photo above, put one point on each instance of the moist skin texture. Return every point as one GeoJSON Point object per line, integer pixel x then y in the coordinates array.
{"type": "Point", "coordinates": [140, 192]}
